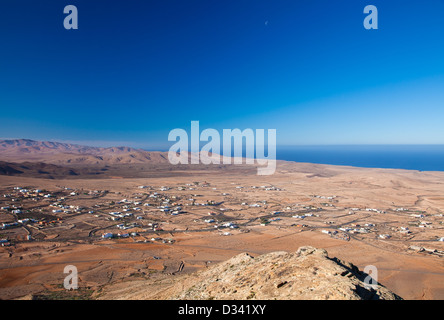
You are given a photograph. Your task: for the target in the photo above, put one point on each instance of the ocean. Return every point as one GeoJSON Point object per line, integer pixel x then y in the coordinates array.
{"type": "Point", "coordinates": [410, 157]}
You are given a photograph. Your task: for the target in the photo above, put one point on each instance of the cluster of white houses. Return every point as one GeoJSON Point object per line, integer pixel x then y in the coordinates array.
{"type": "Point", "coordinates": [375, 210]}
{"type": "Point", "coordinates": [324, 197]}
{"type": "Point", "coordinates": [170, 205]}
{"type": "Point", "coordinates": [118, 215]}
{"type": "Point", "coordinates": [267, 188]}
{"type": "Point", "coordinates": [110, 235]}
{"type": "Point", "coordinates": [63, 208]}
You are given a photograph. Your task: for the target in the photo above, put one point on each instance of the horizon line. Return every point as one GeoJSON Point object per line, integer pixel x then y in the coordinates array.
{"type": "Point", "coordinates": [138, 145]}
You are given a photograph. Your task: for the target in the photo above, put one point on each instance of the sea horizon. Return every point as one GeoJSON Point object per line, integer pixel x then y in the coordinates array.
{"type": "Point", "coordinates": [420, 157]}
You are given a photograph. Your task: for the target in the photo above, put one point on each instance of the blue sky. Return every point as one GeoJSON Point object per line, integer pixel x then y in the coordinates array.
{"type": "Point", "coordinates": [136, 69]}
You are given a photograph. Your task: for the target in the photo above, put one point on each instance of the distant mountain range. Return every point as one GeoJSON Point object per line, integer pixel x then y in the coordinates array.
{"type": "Point", "coordinates": [53, 160]}
{"type": "Point", "coordinates": [23, 150]}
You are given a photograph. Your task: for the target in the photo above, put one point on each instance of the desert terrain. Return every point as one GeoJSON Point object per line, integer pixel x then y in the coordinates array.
{"type": "Point", "coordinates": [132, 224]}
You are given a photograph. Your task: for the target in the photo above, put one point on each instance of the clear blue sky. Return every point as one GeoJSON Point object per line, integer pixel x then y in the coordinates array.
{"type": "Point", "coordinates": [136, 69]}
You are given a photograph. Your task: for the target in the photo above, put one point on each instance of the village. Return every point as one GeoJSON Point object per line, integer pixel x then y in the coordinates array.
{"type": "Point", "coordinates": [156, 214]}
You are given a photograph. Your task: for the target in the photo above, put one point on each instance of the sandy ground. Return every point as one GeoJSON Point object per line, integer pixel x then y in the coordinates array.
{"type": "Point", "coordinates": [35, 267]}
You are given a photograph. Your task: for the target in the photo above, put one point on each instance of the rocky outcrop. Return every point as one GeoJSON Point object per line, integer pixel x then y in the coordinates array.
{"type": "Point", "coordinates": [308, 274]}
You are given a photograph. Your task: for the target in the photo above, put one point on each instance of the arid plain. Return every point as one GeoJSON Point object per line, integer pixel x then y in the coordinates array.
{"type": "Point", "coordinates": [125, 223]}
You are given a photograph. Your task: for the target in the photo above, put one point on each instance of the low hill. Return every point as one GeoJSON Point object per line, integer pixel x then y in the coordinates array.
{"type": "Point", "coordinates": [308, 274]}
{"type": "Point", "coordinates": [36, 169]}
